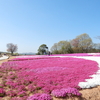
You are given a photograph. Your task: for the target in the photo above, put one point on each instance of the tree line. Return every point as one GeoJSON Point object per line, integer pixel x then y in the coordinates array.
{"type": "Point", "coordinates": [81, 44]}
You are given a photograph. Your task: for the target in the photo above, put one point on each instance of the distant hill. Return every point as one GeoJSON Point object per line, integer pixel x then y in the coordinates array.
{"type": "Point", "coordinates": [2, 52]}
{"type": "Point", "coordinates": [28, 53]}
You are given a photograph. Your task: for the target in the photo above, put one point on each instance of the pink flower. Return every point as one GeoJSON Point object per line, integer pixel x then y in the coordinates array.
{"type": "Point", "coordinates": [40, 97]}
{"type": "Point", "coordinates": [11, 93]}
{"type": "Point", "coordinates": [2, 92]}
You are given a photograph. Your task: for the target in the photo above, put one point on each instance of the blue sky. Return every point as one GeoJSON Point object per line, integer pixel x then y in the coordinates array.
{"type": "Point", "coordinates": [30, 23]}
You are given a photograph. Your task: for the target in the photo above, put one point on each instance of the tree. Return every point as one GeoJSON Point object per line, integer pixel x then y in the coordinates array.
{"type": "Point", "coordinates": [62, 47]}
{"type": "Point", "coordinates": [54, 48]}
{"type": "Point", "coordinates": [85, 42]}
{"type": "Point", "coordinates": [98, 37]}
{"type": "Point", "coordinates": [42, 49]}
{"type": "Point", "coordinates": [74, 44]}
{"type": "Point", "coordinates": [11, 48]}
{"type": "Point", "coordinates": [96, 47]}
{"type": "Point", "coordinates": [82, 43]}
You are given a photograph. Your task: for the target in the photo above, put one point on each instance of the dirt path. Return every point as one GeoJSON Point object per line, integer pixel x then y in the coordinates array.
{"type": "Point", "coordinates": [91, 94]}
{"type": "Point", "coordinates": [1, 61]}
{"type": "Point", "coordinates": [87, 94]}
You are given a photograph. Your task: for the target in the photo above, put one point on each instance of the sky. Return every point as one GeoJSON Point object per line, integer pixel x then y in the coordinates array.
{"type": "Point", "coordinates": [30, 23]}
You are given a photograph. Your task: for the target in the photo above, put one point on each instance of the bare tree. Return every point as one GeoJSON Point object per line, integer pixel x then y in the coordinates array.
{"type": "Point", "coordinates": [98, 37]}
{"type": "Point", "coordinates": [11, 48]}
{"type": "Point", "coordinates": [97, 47]}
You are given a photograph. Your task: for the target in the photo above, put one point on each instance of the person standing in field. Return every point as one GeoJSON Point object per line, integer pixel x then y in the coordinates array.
{"type": "Point", "coordinates": [49, 53]}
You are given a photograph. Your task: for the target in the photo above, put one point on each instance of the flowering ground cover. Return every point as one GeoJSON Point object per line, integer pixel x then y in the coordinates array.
{"type": "Point", "coordinates": [78, 54]}
{"type": "Point", "coordinates": [31, 58]}
{"type": "Point", "coordinates": [28, 57]}
{"type": "Point", "coordinates": [95, 78]}
{"type": "Point", "coordinates": [45, 78]}
{"type": "Point", "coordinates": [4, 57]}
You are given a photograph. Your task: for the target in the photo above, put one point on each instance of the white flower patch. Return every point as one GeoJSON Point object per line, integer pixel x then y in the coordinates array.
{"type": "Point", "coordinates": [4, 57]}
{"type": "Point", "coordinates": [95, 79]}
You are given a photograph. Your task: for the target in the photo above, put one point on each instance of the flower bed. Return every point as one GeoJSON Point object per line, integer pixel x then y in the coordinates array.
{"type": "Point", "coordinates": [33, 57]}
{"type": "Point", "coordinates": [57, 77]}
{"type": "Point", "coordinates": [78, 54]}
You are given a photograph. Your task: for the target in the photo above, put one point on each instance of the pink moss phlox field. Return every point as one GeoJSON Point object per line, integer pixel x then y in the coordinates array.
{"type": "Point", "coordinates": [2, 92]}
{"type": "Point", "coordinates": [40, 96]}
{"type": "Point", "coordinates": [46, 75]}
{"type": "Point", "coordinates": [18, 58]}
{"type": "Point", "coordinates": [65, 92]}
{"type": "Point", "coordinates": [35, 57]}
{"type": "Point", "coordinates": [78, 54]}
